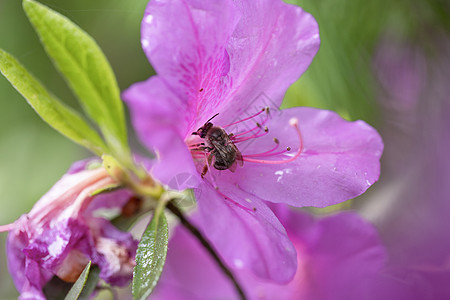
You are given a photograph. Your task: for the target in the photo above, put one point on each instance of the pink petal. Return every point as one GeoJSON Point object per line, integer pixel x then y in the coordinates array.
{"type": "Point", "coordinates": [340, 160]}
{"type": "Point", "coordinates": [155, 112]}
{"type": "Point", "coordinates": [339, 258]}
{"type": "Point", "coordinates": [185, 41]}
{"type": "Point", "coordinates": [334, 253]}
{"type": "Point", "coordinates": [83, 164]}
{"type": "Point", "coordinates": [247, 234]}
{"type": "Point", "coordinates": [224, 56]}
{"type": "Point", "coordinates": [218, 56]}
{"type": "Point", "coordinates": [271, 47]}
{"type": "Point", "coordinates": [28, 277]}
{"type": "Point", "coordinates": [190, 272]}
{"type": "Point", "coordinates": [115, 252]}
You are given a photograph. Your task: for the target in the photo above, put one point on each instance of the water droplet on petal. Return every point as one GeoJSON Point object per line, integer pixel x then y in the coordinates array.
{"type": "Point", "coordinates": [238, 263]}
{"type": "Point", "coordinates": [148, 19]}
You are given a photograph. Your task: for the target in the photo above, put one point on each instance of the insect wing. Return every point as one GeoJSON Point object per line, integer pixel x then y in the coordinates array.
{"type": "Point", "coordinates": [239, 158]}
{"type": "Point", "coordinates": [220, 150]}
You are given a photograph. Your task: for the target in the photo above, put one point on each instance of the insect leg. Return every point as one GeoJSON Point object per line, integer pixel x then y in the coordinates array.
{"type": "Point", "coordinates": [204, 171]}
{"type": "Point", "coordinates": [208, 160]}
{"type": "Point", "coordinates": [207, 149]}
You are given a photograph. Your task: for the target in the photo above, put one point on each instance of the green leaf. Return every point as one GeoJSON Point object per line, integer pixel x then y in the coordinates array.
{"type": "Point", "coordinates": [85, 68]}
{"type": "Point", "coordinates": [91, 283]}
{"type": "Point", "coordinates": [150, 256]}
{"type": "Point", "coordinates": [78, 286]}
{"type": "Point", "coordinates": [50, 109]}
{"type": "Point", "coordinates": [57, 289]}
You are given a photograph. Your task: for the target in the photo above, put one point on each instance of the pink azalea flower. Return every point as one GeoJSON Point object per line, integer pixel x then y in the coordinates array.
{"type": "Point", "coordinates": [413, 214]}
{"type": "Point", "coordinates": [63, 232]}
{"type": "Point", "coordinates": [226, 61]}
{"type": "Point", "coordinates": [340, 257]}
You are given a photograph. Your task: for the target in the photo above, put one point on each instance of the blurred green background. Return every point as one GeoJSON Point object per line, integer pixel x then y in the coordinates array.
{"type": "Point", "coordinates": [33, 156]}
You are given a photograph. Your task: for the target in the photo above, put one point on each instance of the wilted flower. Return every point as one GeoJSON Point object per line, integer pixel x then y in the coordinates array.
{"type": "Point", "coordinates": [65, 230]}
{"type": "Point", "coordinates": [222, 63]}
{"type": "Point", "coordinates": [340, 257]}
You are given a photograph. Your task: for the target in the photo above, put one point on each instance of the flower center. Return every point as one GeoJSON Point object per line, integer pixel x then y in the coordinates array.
{"type": "Point", "coordinates": [215, 144]}
{"type": "Point", "coordinates": [219, 149]}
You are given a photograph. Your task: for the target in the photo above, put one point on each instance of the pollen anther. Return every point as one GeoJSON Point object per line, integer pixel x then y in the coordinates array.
{"type": "Point", "coordinates": [294, 123]}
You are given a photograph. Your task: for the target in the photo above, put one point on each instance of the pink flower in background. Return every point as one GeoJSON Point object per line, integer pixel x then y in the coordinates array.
{"type": "Point", "coordinates": [235, 58]}
{"type": "Point", "coordinates": [63, 232]}
{"type": "Point", "coordinates": [413, 214]}
{"type": "Point", "coordinates": [340, 257]}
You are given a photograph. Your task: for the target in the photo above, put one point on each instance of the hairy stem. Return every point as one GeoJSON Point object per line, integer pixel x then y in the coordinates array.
{"type": "Point", "coordinates": [188, 225]}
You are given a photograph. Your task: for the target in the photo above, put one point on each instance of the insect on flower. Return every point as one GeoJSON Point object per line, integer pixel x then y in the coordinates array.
{"type": "Point", "coordinates": [221, 148]}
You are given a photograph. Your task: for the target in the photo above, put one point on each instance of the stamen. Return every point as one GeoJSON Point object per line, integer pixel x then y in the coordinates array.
{"type": "Point", "coordinates": [232, 201]}
{"type": "Point", "coordinates": [243, 120]}
{"type": "Point", "coordinates": [255, 135]}
{"type": "Point", "coordinates": [200, 149]}
{"type": "Point", "coordinates": [276, 153]}
{"type": "Point", "coordinates": [195, 146]}
{"type": "Point", "coordinates": [198, 152]}
{"type": "Point", "coordinates": [211, 177]}
{"type": "Point", "coordinates": [258, 125]}
{"type": "Point", "coordinates": [294, 123]}
{"type": "Point", "coordinates": [6, 227]}
{"type": "Point", "coordinates": [277, 143]}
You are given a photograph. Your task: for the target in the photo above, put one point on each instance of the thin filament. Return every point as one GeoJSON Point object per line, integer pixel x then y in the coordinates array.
{"type": "Point", "coordinates": [294, 123]}
{"type": "Point", "coordinates": [258, 126]}
{"type": "Point", "coordinates": [232, 201]}
{"type": "Point", "coordinates": [254, 136]}
{"type": "Point", "coordinates": [251, 117]}
{"type": "Point", "coordinates": [264, 153]}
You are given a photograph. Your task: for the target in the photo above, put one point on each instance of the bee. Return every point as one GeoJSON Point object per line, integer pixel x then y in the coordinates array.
{"type": "Point", "coordinates": [223, 153]}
